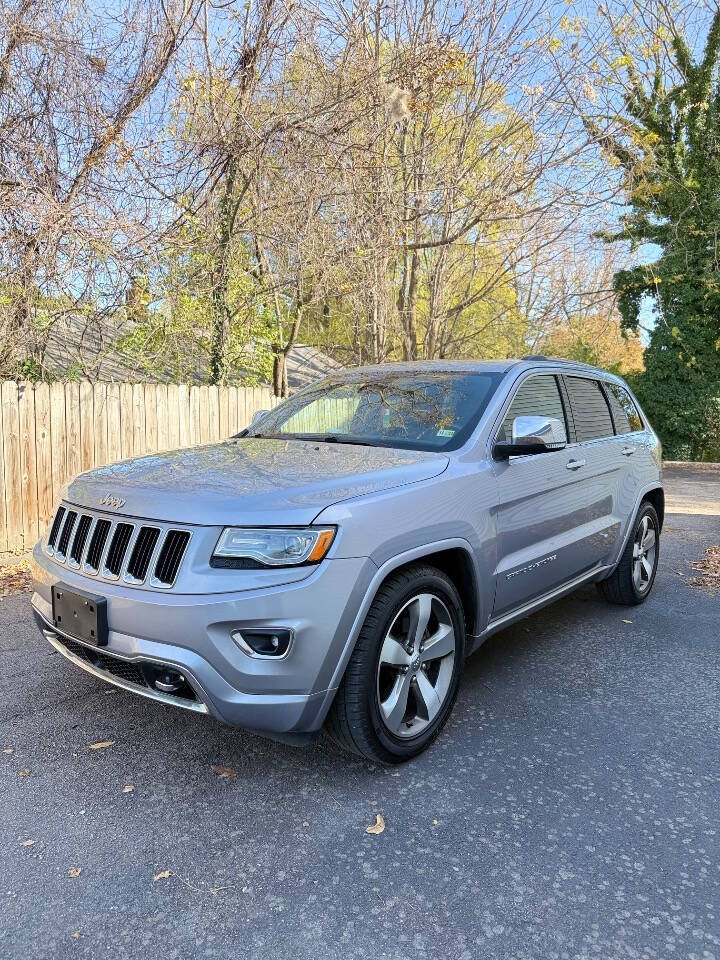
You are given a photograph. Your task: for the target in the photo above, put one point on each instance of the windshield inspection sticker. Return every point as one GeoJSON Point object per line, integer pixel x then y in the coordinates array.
{"type": "Point", "coordinates": [446, 433]}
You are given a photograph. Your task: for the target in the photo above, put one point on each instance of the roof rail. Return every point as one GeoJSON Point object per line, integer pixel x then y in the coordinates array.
{"type": "Point", "coordinates": [536, 356]}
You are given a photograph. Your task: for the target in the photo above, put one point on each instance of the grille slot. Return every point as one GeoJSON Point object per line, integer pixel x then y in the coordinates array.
{"type": "Point", "coordinates": [97, 544]}
{"type": "Point", "coordinates": [142, 552]}
{"type": "Point", "coordinates": [66, 531]}
{"type": "Point", "coordinates": [55, 529]}
{"type": "Point", "coordinates": [83, 528]}
{"type": "Point", "coordinates": [118, 546]}
{"type": "Point", "coordinates": [171, 556]}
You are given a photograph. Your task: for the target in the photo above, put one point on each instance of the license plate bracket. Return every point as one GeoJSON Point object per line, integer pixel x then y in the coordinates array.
{"type": "Point", "coordinates": [80, 615]}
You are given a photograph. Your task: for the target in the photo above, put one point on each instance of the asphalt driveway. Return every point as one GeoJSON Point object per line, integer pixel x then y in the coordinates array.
{"type": "Point", "coordinates": [570, 810]}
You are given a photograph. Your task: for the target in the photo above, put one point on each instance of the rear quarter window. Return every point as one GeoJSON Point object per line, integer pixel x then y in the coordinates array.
{"type": "Point", "coordinates": [625, 413]}
{"type": "Point", "coordinates": [591, 412]}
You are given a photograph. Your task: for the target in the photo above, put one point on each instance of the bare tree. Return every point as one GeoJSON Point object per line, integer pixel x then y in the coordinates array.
{"type": "Point", "coordinates": [73, 85]}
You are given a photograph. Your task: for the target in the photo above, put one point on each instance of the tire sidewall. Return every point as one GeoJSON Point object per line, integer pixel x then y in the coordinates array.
{"type": "Point", "coordinates": [441, 587]}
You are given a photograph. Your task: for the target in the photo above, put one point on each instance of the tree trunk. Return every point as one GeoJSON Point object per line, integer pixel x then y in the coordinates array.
{"type": "Point", "coordinates": [407, 306]}
{"type": "Point", "coordinates": [219, 361]}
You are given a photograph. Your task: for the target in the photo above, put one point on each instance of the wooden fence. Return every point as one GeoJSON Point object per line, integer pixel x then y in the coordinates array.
{"type": "Point", "coordinates": [51, 432]}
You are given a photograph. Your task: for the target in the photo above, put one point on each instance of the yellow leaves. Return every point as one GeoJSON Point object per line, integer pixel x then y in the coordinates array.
{"type": "Point", "coordinates": [675, 332]}
{"type": "Point", "coordinates": [620, 62]}
{"type": "Point", "coordinates": [554, 44]}
{"type": "Point", "coordinates": [224, 773]}
{"type": "Point", "coordinates": [572, 25]}
{"type": "Point", "coordinates": [163, 875]}
{"type": "Point", "coordinates": [101, 745]}
{"type": "Point", "coordinates": [378, 826]}
{"type": "Point", "coordinates": [74, 872]}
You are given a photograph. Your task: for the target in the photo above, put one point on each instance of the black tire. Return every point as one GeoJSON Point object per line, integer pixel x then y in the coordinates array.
{"type": "Point", "coordinates": [355, 721]}
{"type": "Point", "coordinates": [620, 586]}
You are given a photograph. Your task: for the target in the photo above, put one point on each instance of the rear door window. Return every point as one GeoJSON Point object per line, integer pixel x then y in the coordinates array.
{"type": "Point", "coordinates": [625, 413]}
{"type": "Point", "coordinates": [536, 397]}
{"type": "Point", "coordinates": [591, 412]}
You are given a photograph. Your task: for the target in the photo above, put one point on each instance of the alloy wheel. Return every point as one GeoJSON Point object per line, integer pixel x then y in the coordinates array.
{"type": "Point", "coordinates": [644, 552]}
{"type": "Point", "coordinates": [415, 667]}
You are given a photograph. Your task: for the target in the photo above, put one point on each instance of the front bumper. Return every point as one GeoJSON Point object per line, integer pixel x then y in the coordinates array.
{"type": "Point", "coordinates": [191, 632]}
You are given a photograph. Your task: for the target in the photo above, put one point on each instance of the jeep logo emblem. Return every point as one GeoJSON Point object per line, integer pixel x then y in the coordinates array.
{"type": "Point", "coordinates": [114, 502]}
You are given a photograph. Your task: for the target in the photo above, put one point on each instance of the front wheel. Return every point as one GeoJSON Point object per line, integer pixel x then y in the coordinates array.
{"type": "Point", "coordinates": [402, 679]}
{"type": "Point", "coordinates": [634, 576]}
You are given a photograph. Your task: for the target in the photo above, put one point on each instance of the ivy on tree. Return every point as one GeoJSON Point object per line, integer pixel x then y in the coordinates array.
{"type": "Point", "coordinates": [669, 150]}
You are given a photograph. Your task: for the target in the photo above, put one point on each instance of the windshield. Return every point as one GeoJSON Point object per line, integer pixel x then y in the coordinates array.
{"type": "Point", "coordinates": [435, 410]}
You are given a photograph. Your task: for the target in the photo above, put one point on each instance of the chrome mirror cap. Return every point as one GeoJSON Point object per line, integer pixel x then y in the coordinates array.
{"type": "Point", "coordinates": [547, 430]}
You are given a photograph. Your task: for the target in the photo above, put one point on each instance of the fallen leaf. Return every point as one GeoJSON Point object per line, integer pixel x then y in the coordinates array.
{"type": "Point", "coordinates": [74, 871]}
{"type": "Point", "coordinates": [435, 822]}
{"type": "Point", "coordinates": [27, 843]}
{"type": "Point", "coordinates": [378, 826]}
{"type": "Point", "coordinates": [8, 750]}
{"type": "Point", "coordinates": [627, 621]}
{"type": "Point", "coordinates": [163, 875]}
{"type": "Point", "coordinates": [225, 773]}
{"type": "Point", "coordinates": [101, 744]}
{"type": "Point", "coordinates": [75, 934]}
{"type": "Point", "coordinates": [306, 823]}
{"type": "Point", "coordinates": [25, 772]}
{"type": "Point", "coordinates": [128, 789]}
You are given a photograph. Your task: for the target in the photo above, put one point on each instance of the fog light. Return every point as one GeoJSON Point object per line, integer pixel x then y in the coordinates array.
{"type": "Point", "coordinates": [266, 642]}
{"type": "Point", "coordinates": [169, 681]}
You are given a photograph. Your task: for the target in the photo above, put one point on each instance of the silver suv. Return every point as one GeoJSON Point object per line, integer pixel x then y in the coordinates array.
{"type": "Point", "coordinates": [336, 562]}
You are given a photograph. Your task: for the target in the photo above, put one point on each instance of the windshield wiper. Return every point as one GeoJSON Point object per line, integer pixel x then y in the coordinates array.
{"type": "Point", "coordinates": [331, 438]}
{"type": "Point", "coordinates": [312, 437]}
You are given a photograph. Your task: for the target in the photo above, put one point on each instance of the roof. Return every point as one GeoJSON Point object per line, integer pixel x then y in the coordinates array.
{"type": "Point", "coordinates": [475, 366]}
{"type": "Point", "coordinates": [88, 348]}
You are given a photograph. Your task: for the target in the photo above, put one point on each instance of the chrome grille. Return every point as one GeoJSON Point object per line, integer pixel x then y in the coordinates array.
{"type": "Point", "coordinates": [117, 549]}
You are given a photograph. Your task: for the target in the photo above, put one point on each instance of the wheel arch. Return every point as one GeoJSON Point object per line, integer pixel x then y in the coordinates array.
{"type": "Point", "coordinates": [457, 564]}
{"type": "Point", "coordinates": [656, 497]}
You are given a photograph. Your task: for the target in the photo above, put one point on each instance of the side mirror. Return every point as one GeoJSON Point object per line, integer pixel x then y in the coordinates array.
{"type": "Point", "coordinates": [532, 435]}
{"type": "Point", "coordinates": [257, 416]}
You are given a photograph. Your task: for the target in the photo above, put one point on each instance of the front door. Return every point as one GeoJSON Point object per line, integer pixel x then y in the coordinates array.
{"type": "Point", "coordinates": [550, 526]}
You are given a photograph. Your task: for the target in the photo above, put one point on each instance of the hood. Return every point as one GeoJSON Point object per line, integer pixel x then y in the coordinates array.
{"type": "Point", "coordinates": [250, 481]}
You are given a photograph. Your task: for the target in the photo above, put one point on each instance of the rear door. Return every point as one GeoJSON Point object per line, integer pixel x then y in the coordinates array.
{"type": "Point", "coordinates": [633, 445]}
{"type": "Point", "coordinates": [604, 469]}
{"type": "Point", "coordinates": [548, 519]}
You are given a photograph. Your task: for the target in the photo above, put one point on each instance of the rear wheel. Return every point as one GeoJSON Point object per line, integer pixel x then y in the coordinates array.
{"type": "Point", "coordinates": [402, 679]}
{"type": "Point", "coordinates": [633, 578]}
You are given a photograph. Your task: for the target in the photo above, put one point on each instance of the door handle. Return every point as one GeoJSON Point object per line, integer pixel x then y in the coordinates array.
{"type": "Point", "coordinates": [575, 464]}
{"type": "Point", "coordinates": [628, 451]}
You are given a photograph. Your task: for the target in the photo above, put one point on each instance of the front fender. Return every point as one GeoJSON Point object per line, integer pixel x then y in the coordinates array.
{"type": "Point", "coordinates": [382, 573]}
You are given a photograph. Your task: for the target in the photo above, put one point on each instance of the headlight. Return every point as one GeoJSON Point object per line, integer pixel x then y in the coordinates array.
{"type": "Point", "coordinates": [272, 546]}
